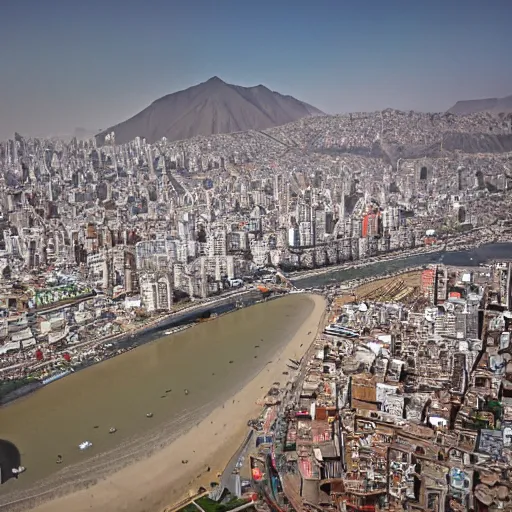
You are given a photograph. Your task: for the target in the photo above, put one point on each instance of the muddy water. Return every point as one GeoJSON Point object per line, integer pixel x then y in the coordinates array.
{"type": "Point", "coordinates": [212, 361]}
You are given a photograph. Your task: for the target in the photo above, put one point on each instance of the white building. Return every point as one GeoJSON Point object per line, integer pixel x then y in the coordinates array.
{"type": "Point", "coordinates": [293, 237]}
{"type": "Point", "coordinates": [156, 291]}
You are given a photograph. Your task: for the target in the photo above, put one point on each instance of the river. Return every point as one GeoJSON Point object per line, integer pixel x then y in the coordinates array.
{"type": "Point", "coordinates": [212, 361]}
{"type": "Point", "coordinates": [465, 258]}
{"type": "Point", "coordinates": [119, 392]}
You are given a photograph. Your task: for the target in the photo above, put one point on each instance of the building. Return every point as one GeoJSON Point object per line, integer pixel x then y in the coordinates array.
{"type": "Point", "coordinates": [156, 291]}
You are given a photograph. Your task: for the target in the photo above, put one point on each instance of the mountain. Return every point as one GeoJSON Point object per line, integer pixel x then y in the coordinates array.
{"type": "Point", "coordinates": [208, 108]}
{"type": "Point", "coordinates": [83, 133]}
{"type": "Point", "coordinates": [492, 105]}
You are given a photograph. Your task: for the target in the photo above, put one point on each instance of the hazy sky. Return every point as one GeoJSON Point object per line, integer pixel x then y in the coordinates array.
{"type": "Point", "coordinates": [76, 63]}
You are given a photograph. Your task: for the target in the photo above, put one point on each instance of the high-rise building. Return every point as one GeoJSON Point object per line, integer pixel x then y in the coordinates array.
{"type": "Point", "coordinates": [293, 237]}
{"type": "Point", "coordinates": [156, 291]}
{"type": "Point", "coordinates": [306, 234]}
{"type": "Point", "coordinates": [320, 226]}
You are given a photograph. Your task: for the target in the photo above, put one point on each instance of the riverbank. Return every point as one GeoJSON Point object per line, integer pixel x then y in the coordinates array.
{"type": "Point", "coordinates": [299, 275]}
{"type": "Point", "coordinates": [465, 258]}
{"type": "Point", "coordinates": [131, 338]}
{"type": "Point", "coordinates": [161, 479]}
{"type": "Point", "coordinates": [472, 240]}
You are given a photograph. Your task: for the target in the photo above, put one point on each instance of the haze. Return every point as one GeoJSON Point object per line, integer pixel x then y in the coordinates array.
{"type": "Point", "coordinates": [68, 64]}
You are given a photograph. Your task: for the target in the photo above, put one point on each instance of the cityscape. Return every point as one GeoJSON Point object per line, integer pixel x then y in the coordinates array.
{"type": "Point", "coordinates": [255, 256]}
{"type": "Point", "coordinates": [400, 403]}
{"type": "Point", "coordinates": [145, 228]}
{"type": "Point", "coordinates": [403, 402]}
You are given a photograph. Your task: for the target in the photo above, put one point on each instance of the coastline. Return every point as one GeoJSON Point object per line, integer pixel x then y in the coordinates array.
{"type": "Point", "coordinates": [156, 481]}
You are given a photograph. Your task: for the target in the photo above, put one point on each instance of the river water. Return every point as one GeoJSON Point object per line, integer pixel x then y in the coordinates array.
{"type": "Point", "coordinates": [119, 392]}
{"type": "Point", "coordinates": [467, 258]}
{"type": "Point", "coordinates": [212, 361]}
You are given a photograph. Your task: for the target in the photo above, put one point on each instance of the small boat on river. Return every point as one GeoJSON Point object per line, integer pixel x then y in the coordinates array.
{"type": "Point", "coordinates": [177, 329]}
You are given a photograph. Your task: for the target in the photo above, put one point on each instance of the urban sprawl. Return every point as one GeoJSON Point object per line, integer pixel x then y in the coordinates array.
{"type": "Point", "coordinates": [402, 402]}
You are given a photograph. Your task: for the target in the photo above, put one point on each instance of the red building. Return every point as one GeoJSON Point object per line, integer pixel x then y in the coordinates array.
{"type": "Point", "coordinates": [370, 225]}
{"type": "Point", "coordinates": [428, 279]}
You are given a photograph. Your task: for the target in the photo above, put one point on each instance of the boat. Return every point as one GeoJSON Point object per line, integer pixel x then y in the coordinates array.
{"type": "Point", "coordinates": [85, 445]}
{"type": "Point", "coordinates": [57, 376]}
{"type": "Point", "coordinates": [149, 415]}
{"type": "Point", "coordinates": [112, 430]}
{"type": "Point", "coordinates": [177, 329]}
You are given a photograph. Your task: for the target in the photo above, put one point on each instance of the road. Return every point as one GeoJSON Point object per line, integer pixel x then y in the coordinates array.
{"type": "Point", "coordinates": [231, 481]}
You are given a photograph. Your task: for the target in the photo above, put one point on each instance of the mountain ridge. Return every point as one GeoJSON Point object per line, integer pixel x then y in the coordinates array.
{"type": "Point", "coordinates": [491, 105]}
{"type": "Point", "coordinates": [209, 108]}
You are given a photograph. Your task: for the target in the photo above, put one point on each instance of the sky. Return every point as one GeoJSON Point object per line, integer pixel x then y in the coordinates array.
{"type": "Point", "coordinates": [91, 64]}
